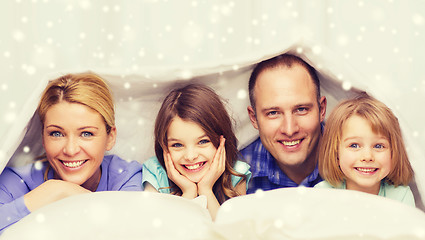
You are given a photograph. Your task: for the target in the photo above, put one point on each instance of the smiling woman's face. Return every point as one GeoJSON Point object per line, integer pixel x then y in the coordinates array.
{"type": "Point", "coordinates": [75, 141]}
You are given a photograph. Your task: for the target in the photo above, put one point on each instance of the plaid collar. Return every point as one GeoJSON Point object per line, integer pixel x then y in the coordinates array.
{"type": "Point", "coordinates": [263, 164]}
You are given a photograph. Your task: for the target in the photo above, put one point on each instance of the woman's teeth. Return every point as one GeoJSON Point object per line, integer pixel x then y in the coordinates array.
{"type": "Point", "coordinates": [73, 164]}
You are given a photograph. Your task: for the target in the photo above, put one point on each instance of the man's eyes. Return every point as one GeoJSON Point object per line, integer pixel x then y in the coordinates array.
{"type": "Point", "coordinates": [272, 113]}
{"type": "Point", "coordinates": [302, 110]}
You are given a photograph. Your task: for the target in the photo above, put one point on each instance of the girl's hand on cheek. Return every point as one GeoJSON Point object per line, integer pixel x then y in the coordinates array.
{"type": "Point", "coordinates": [189, 189]}
{"type": "Point", "coordinates": [216, 169]}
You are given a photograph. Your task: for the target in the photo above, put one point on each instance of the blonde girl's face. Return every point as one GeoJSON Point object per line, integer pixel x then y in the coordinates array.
{"type": "Point", "coordinates": [364, 156]}
{"type": "Point", "coordinates": [191, 149]}
{"type": "Point", "coordinates": [75, 141]}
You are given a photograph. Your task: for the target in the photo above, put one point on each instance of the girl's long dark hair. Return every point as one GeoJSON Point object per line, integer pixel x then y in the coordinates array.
{"type": "Point", "coordinates": [200, 104]}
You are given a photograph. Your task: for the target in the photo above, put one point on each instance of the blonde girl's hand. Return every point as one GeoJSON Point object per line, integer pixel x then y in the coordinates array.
{"type": "Point", "coordinates": [215, 170]}
{"type": "Point", "coordinates": [189, 189]}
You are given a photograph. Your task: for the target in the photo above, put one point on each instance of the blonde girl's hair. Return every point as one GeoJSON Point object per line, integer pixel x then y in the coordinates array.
{"type": "Point", "coordinates": [382, 120]}
{"type": "Point", "coordinates": [200, 104]}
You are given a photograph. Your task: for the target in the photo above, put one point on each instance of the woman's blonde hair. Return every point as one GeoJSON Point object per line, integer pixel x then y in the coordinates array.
{"type": "Point", "coordinates": [383, 122]}
{"type": "Point", "coordinates": [83, 88]}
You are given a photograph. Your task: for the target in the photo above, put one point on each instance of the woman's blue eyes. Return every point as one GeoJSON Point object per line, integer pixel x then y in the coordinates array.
{"type": "Point", "coordinates": [86, 134]}
{"type": "Point", "coordinates": [59, 134]}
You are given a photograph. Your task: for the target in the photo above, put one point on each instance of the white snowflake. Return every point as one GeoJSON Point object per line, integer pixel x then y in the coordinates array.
{"type": "Point", "coordinates": [342, 40]}
{"type": "Point", "coordinates": [242, 94]}
{"type": "Point", "coordinates": [278, 223]}
{"type": "Point", "coordinates": [18, 35]}
{"type": "Point", "coordinates": [10, 117]}
{"type": "Point", "coordinates": [346, 85]}
{"type": "Point", "coordinates": [259, 193]}
{"type": "Point", "coordinates": [186, 74]}
{"type": "Point", "coordinates": [418, 19]}
{"type": "Point", "coordinates": [141, 121]}
{"type": "Point", "coordinates": [38, 165]}
{"type": "Point", "coordinates": [156, 222]}
{"type": "Point", "coordinates": [26, 149]}
{"type": "Point", "coordinates": [317, 50]}
{"type": "Point", "coordinates": [299, 50]}
{"type": "Point", "coordinates": [105, 9]}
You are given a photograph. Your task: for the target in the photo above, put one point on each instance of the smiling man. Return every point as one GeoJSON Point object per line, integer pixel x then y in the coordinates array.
{"type": "Point", "coordinates": [287, 110]}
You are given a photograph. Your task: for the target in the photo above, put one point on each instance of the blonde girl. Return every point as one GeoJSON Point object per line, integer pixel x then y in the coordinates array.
{"type": "Point", "coordinates": [362, 149]}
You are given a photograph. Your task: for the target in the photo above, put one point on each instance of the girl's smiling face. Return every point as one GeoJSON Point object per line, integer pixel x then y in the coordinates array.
{"type": "Point", "coordinates": [191, 149]}
{"type": "Point", "coordinates": [75, 140]}
{"type": "Point", "coordinates": [364, 156]}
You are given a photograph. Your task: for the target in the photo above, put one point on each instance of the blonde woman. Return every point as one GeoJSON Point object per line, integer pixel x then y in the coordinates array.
{"type": "Point", "coordinates": [78, 126]}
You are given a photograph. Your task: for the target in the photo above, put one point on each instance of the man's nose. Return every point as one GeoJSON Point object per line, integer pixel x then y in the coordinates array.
{"type": "Point", "coordinates": [289, 125]}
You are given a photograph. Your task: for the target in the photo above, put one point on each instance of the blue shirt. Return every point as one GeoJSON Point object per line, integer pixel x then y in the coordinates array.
{"type": "Point", "coordinates": [266, 174]}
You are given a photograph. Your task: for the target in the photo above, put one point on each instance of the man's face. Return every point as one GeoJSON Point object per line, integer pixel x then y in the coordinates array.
{"type": "Point", "coordinates": [287, 115]}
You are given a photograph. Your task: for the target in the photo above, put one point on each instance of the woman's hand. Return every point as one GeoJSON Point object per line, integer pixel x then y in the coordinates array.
{"type": "Point", "coordinates": [51, 191]}
{"type": "Point", "coordinates": [189, 189]}
{"type": "Point", "coordinates": [215, 170]}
